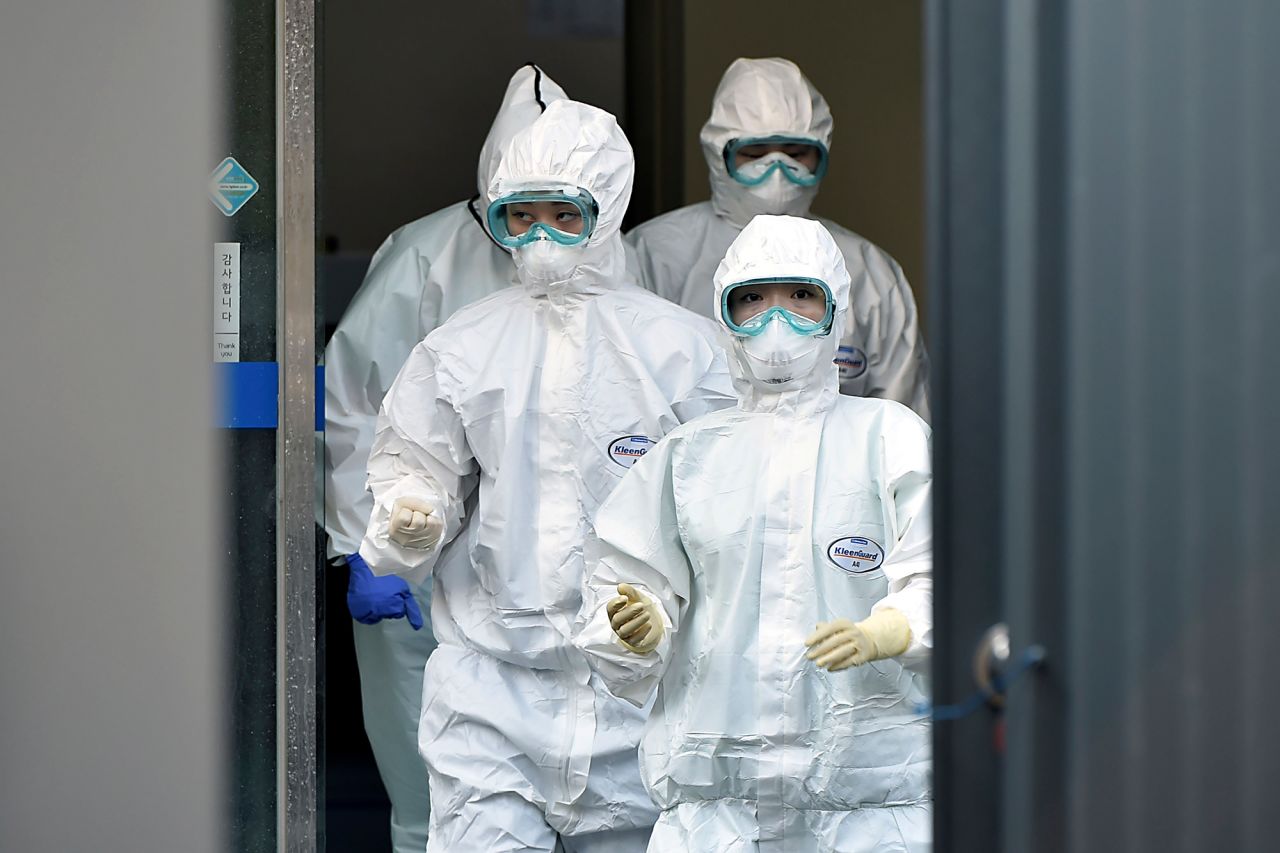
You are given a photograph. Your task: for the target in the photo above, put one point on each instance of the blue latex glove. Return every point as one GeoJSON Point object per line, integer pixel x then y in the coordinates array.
{"type": "Point", "coordinates": [371, 598]}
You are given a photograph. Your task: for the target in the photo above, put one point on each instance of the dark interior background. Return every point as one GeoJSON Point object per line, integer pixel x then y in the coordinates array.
{"type": "Point", "coordinates": [408, 91]}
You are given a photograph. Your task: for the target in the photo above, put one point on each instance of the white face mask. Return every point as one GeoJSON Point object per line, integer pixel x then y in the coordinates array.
{"type": "Point", "coordinates": [776, 195]}
{"type": "Point", "coordinates": [779, 357]}
{"type": "Point", "coordinates": [546, 262]}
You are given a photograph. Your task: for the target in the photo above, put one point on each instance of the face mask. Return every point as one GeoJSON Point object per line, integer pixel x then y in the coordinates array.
{"type": "Point", "coordinates": [546, 261]}
{"type": "Point", "coordinates": [778, 357]}
{"type": "Point", "coordinates": [776, 194]}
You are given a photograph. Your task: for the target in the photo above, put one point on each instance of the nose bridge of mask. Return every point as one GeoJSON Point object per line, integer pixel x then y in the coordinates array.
{"type": "Point", "coordinates": [777, 357]}
{"type": "Point", "coordinates": [801, 325]}
{"type": "Point", "coordinates": [758, 171]}
{"type": "Point", "coordinates": [542, 231]}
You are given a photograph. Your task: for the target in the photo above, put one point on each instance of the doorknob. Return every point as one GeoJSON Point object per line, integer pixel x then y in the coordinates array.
{"type": "Point", "coordinates": [990, 660]}
{"type": "Point", "coordinates": [992, 670]}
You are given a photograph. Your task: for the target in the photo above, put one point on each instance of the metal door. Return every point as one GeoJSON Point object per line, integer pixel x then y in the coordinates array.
{"type": "Point", "coordinates": [1105, 200]}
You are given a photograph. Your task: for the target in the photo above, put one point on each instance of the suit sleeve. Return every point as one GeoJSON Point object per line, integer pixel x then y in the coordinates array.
{"type": "Point", "coordinates": [420, 451]}
{"type": "Point", "coordinates": [909, 564]}
{"type": "Point", "coordinates": [637, 542]}
{"type": "Point", "coordinates": [379, 329]}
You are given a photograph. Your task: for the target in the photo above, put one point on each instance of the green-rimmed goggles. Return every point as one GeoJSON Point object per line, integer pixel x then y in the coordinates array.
{"type": "Point", "coordinates": [788, 145]}
{"type": "Point", "coordinates": [569, 220]}
{"type": "Point", "coordinates": [757, 323]}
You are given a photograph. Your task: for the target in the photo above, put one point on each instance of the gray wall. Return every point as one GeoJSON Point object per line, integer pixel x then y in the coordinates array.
{"type": "Point", "coordinates": [111, 700]}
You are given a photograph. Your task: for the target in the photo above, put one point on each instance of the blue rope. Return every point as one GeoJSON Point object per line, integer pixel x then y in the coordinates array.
{"type": "Point", "coordinates": [1032, 657]}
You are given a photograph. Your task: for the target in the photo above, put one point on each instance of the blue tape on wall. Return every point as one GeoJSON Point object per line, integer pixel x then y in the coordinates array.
{"type": "Point", "coordinates": [249, 395]}
{"type": "Point", "coordinates": [320, 398]}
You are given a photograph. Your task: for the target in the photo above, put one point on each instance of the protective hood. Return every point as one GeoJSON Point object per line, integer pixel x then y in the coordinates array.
{"type": "Point", "coordinates": [780, 247]}
{"type": "Point", "coordinates": [528, 94]}
{"type": "Point", "coordinates": [761, 98]}
{"type": "Point", "coordinates": [572, 146]}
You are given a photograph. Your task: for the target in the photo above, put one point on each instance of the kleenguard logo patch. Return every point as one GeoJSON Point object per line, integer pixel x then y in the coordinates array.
{"type": "Point", "coordinates": [855, 554]}
{"type": "Point", "coordinates": [852, 362]}
{"type": "Point", "coordinates": [626, 450]}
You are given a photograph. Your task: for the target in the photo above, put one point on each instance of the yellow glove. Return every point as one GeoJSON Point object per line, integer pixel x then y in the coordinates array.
{"type": "Point", "coordinates": [414, 524]}
{"type": "Point", "coordinates": [635, 619]}
{"type": "Point", "coordinates": [840, 644]}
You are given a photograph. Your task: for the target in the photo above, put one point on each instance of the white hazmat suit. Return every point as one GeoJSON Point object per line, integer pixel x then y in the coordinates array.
{"type": "Point", "coordinates": [422, 274]}
{"type": "Point", "coordinates": [748, 527]}
{"type": "Point", "coordinates": [511, 424]}
{"type": "Point", "coordinates": [882, 352]}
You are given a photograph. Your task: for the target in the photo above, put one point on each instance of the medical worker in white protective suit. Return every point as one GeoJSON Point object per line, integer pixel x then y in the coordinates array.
{"type": "Point", "coordinates": [752, 548]}
{"type": "Point", "coordinates": [766, 145]}
{"type": "Point", "coordinates": [423, 273]}
{"type": "Point", "coordinates": [504, 432]}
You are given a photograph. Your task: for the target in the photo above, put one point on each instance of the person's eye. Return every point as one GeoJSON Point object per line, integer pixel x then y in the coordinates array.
{"type": "Point", "coordinates": [802, 294]}
{"type": "Point", "coordinates": [568, 216]}
{"type": "Point", "coordinates": [749, 297]}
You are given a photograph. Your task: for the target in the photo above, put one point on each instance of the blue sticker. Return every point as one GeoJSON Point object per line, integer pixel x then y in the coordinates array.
{"type": "Point", "coordinates": [626, 450]}
{"type": "Point", "coordinates": [855, 554]}
{"type": "Point", "coordinates": [852, 362]}
{"type": "Point", "coordinates": [248, 394]}
{"type": "Point", "coordinates": [230, 186]}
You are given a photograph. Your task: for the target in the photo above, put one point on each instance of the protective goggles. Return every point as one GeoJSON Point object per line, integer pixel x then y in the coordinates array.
{"type": "Point", "coordinates": [734, 301]}
{"type": "Point", "coordinates": [521, 218]}
{"type": "Point", "coordinates": [757, 147]}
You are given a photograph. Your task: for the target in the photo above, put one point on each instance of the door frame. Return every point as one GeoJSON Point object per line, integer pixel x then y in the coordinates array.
{"type": "Point", "coordinates": [297, 779]}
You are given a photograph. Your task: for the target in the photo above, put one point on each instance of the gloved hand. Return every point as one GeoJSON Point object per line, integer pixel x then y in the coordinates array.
{"type": "Point", "coordinates": [635, 619]}
{"type": "Point", "coordinates": [371, 598]}
{"type": "Point", "coordinates": [840, 644]}
{"type": "Point", "coordinates": [414, 524]}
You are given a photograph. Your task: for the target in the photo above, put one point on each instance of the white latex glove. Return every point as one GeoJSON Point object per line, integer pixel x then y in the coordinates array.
{"type": "Point", "coordinates": [414, 524]}
{"type": "Point", "coordinates": [840, 644]}
{"type": "Point", "coordinates": [635, 619]}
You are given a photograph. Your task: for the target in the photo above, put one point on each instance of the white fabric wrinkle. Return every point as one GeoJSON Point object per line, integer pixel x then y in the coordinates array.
{"type": "Point", "coordinates": [576, 146]}
{"type": "Point", "coordinates": [675, 255]}
{"type": "Point", "coordinates": [418, 277]}
{"type": "Point", "coordinates": [760, 98]}
{"type": "Point", "coordinates": [729, 522]}
{"type": "Point", "coordinates": [514, 406]}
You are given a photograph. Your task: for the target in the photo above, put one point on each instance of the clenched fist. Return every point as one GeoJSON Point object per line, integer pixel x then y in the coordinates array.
{"type": "Point", "coordinates": [635, 619]}
{"type": "Point", "coordinates": [414, 524]}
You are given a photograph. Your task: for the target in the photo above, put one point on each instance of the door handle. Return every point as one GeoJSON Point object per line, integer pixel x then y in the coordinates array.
{"type": "Point", "coordinates": [994, 669]}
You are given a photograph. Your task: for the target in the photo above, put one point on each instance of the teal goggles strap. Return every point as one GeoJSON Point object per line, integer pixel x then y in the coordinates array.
{"type": "Point", "coordinates": [757, 324]}
{"type": "Point", "coordinates": [497, 217]}
{"type": "Point", "coordinates": [790, 172]}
